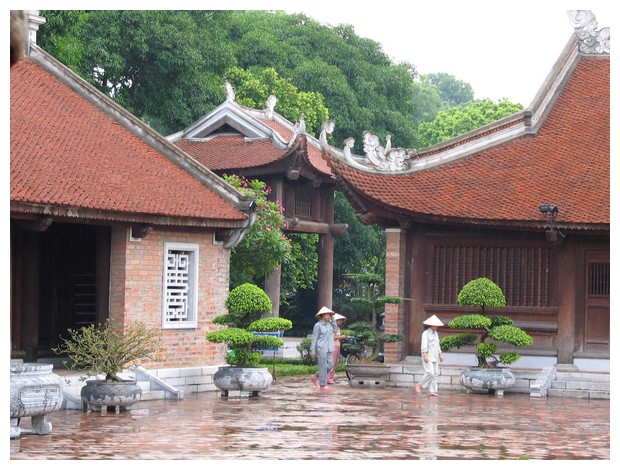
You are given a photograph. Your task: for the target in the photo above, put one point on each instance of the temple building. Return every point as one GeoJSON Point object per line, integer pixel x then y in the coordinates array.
{"type": "Point", "coordinates": [263, 145]}
{"type": "Point", "coordinates": [108, 219]}
{"type": "Point", "coordinates": [523, 201]}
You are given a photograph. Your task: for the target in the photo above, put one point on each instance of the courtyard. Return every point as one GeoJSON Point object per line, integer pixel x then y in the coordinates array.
{"type": "Point", "coordinates": [292, 420]}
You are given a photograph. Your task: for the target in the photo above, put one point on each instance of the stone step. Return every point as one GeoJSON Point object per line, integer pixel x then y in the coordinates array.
{"type": "Point", "coordinates": [576, 384]}
{"type": "Point", "coordinates": [582, 376]}
{"type": "Point", "coordinates": [594, 394]}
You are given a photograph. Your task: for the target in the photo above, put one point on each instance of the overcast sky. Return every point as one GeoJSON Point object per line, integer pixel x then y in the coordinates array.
{"type": "Point", "coordinates": [502, 49]}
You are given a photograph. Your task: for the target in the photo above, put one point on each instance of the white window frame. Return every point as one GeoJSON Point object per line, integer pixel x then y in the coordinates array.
{"type": "Point", "coordinates": [192, 302]}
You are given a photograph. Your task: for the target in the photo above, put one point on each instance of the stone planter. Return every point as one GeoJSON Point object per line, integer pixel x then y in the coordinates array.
{"type": "Point", "coordinates": [367, 375]}
{"type": "Point", "coordinates": [102, 395]}
{"type": "Point", "coordinates": [35, 392]}
{"type": "Point", "coordinates": [495, 379]}
{"type": "Point", "coordinates": [247, 380]}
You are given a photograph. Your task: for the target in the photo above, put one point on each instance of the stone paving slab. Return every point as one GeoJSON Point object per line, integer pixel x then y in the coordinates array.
{"type": "Point", "coordinates": [293, 420]}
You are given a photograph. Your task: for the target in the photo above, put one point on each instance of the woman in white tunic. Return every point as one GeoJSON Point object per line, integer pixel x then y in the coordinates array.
{"type": "Point", "coordinates": [431, 356]}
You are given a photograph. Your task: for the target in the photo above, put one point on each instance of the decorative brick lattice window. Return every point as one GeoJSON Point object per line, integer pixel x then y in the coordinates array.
{"type": "Point", "coordinates": [180, 300]}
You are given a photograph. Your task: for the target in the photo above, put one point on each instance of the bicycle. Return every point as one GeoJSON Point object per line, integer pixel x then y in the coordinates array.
{"type": "Point", "coordinates": [353, 351]}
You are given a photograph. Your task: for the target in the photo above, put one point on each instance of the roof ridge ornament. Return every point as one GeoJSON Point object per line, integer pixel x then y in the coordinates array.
{"type": "Point", "coordinates": [298, 129]}
{"type": "Point", "coordinates": [384, 158]}
{"type": "Point", "coordinates": [270, 105]}
{"type": "Point", "coordinates": [230, 93]}
{"type": "Point", "coordinates": [326, 128]}
{"type": "Point", "coordinates": [591, 41]}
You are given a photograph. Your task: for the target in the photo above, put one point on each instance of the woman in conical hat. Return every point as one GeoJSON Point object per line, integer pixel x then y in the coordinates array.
{"type": "Point", "coordinates": [431, 356]}
{"type": "Point", "coordinates": [331, 375]}
{"type": "Point", "coordinates": [322, 344]}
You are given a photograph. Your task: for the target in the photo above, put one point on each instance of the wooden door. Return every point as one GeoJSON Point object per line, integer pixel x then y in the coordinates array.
{"type": "Point", "coordinates": [597, 302]}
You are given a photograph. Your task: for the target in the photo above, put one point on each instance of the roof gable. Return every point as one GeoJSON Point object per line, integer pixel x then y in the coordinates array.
{"type": "Point", "coordinates": [262, 137]}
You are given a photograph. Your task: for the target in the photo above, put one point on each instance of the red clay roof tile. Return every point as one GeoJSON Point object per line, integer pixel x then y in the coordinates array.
{"type": "Point", "coordinates": [567, 163]}
{"type": "Point", "coordinates": [66, 151]}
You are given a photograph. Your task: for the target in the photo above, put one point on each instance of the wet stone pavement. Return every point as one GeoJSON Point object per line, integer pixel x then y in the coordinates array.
{"type": "Point", "coordinates": [294, 420]}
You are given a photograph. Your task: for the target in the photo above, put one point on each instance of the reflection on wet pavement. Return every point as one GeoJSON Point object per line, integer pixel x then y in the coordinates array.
{"type": "Point", "coordinates": [285, 422]}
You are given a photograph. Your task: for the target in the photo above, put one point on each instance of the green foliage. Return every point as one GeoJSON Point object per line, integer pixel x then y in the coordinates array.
{"type": "Point", "coordinates": [271, 324]}
{"type": "Point", "coordinates": [248, 299]}
{"type": "Point", "coordinates": [253, 87]}
{"type": "Point", "coordinates": [168, 66]}
{"type": "Point", "coordinates": [107, 349]}
{"type": "Point", "coordinates": [463, 118]}
{"type": "Point", "coordinates": [486, 349]}
{"type": "Point", "coordinates": [246, 304]}
{"type": "Point", "coordinates": [509, 358]}
{"type": "Point", "coordinates": [234, 337]}
{"type": "Point", "coordinates": [463, 322]}
{"type": "Point", "coordinates": [365, 338]}
{"type": "Point", "coordinates": [243, 358]}
{"type": "Point", "coordinates": [304, 351]}
{"type": "Point", "coordinates": [265, 236]}
{"type": "Point", "coordinates": [457, 341]}
{"type": "Point", "coordinates": [511, 334]}
{"type": "Point", "coordinates": [62, 35]}
{"type": "Point", "coordinates": [299, 271]}
{"type": "Point", "coordinates": [481, 292]}
{"type": "Point", "coordinates": [484, 292]}
{"type": "Point", "coordinates": [452, 91]}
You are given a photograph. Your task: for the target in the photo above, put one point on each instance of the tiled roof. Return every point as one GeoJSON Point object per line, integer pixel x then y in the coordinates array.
{"type": "Point", "coordinates": [566, 163]}
{"type": "Point", "coordinates": [67, 152]}
{"type": "Point", "coordinates": [314, 153]}
{"type": "Point", "coordinates": [225, 152]}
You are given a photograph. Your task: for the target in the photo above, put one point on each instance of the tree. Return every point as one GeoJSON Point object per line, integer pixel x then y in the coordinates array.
{"type": "Point", "coordinates": [61, 36]}
{"type": "Point", "coordinates": [253, 87]}
{"type": "Point", "coordinates": [460, 119]}
{"type": "Point", "coordinates": [452, 91]}
{"type": "Point", "coordinates": [484, 293]}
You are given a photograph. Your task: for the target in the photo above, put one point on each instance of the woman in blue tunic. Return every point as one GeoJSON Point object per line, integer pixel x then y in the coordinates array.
{"type": "Point", "coordinates": [322, 344]}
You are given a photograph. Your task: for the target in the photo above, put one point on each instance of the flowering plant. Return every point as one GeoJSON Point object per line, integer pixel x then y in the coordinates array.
{"type": "Point", "coordinates": [265, 236]}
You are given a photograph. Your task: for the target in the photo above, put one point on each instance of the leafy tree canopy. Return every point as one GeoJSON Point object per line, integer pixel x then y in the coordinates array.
{"type": "Point", "coordinates": [464, 118]}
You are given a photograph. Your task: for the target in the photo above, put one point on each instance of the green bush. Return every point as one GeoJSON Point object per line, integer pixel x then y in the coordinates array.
{"type": "Point", "coordinates": [483, 292]}
{"type": "Point", "coordinates": [107, 349]}
{"type": "Point", "coordinates": [246, 304]}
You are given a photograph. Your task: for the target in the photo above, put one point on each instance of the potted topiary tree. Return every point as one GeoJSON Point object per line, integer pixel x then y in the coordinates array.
{"type": "Point", "coordinates": [246, 335]}
{"type": "Point", "coordinates": [107, 350]}
{"type": "Point", "coordinates": [363, 347]}
{"type": "Point", "coordinates": [488, 375]}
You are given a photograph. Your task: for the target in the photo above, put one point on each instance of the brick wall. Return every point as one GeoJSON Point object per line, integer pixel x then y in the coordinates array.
{"type": "Point", "coordinates": [394, 286]}
{"type": "Point", "coordinates": [136, 293]}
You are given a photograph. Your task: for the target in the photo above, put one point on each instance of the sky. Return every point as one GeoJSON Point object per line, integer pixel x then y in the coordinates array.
{"type": "Point", "coordinates": [502, 49]}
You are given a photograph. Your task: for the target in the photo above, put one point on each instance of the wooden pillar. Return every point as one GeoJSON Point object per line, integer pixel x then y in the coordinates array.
{"type": "Point", "coordinates": [272, 289]}
{"type": "Point", "coordinates": [417, 314]}
{"type": "Point", "coordinates": [30, 297]}
{"type": "Point", "coordinates": [395, 276]}
{"type": "Point", "coordinates": [326, 252]}
{"type": "Point", "coordinates": [567, 296]}
{"type": "Point", "coordinates": [326, 270]}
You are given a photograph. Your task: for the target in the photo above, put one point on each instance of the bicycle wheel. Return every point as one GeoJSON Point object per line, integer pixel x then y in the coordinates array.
{"type": "Point", "coordinates": [352, 359]}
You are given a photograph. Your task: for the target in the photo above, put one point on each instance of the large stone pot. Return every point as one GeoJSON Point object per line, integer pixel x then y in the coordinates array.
{"type": "Point", "coordinates": [102, 395]}
{"type": "Point", "coordinates": [247, 380]}
{"type": "Point", "coordinates": [35, 392]}
{"type": "Point", "coordinates": [488, 380]}
{"type": "Point", "coordinates": [367, 375]}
